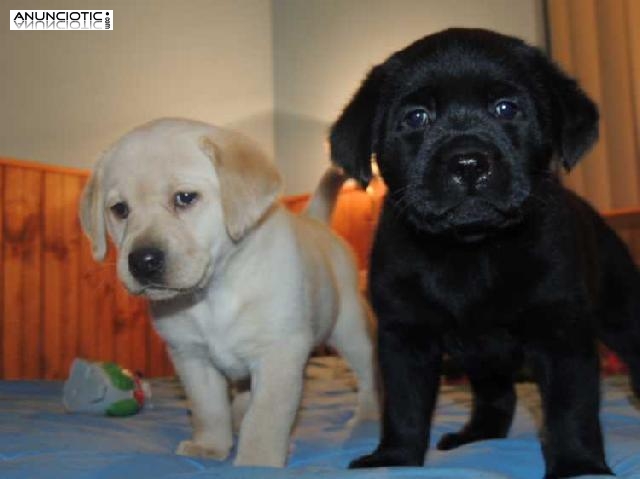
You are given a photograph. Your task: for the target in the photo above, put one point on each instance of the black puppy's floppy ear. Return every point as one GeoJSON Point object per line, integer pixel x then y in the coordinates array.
{"type": "Point", "coordinates": [352, 136]}
{"type": "Point", "coordinates": [574, 116]}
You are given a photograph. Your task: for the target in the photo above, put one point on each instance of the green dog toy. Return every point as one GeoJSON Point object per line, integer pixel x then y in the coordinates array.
{"type": "Point", "coordinates": [103, 388]}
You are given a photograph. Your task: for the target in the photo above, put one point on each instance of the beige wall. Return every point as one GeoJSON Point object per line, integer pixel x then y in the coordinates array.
{"type": "Point", "coordinates": [64, 96]}
{"type": "Point", "coordinates": [323, 48]}
{"type": "Point", "coordinates": [248, 64]}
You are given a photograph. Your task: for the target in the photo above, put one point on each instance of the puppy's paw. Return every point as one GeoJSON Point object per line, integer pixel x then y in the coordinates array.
{"type": "Point", "coordinates": [260, 458]}
{"type": "Point", "coordinates": [196, 449]}
{"type": "Point", "coordinates": [452, 440]}
{"type": "Point", "coordinates": [569, 469]}
{"type": "Point", "coordinates": [387, 458]}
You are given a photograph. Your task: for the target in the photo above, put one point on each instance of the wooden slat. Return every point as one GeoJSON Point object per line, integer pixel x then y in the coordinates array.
{"type": "Point", "coordinates": [632, 239]}
{"type": "Point", "coordinates": [12, 335]}
{"type": "Point", "coordinates": [71, 237]}
{"type": "Point", "coordinates": [43, 167]}
{"type": "Point", "coordinates": [88, 304]}
{"type": "Point", "coordinates": [32, 351]}
{"type": "Point", "coordinates": [22, 347]}
{"type": "Point", "coordinates": [139, 332]}
{"type": "Point", "coordinates": [122, 327]}
{"type": "Point", "coordinates": [3, 312]}
{"type": "Point", "coordinates": [105, 296]}
{"type": "Point", "coordinates": [626, 223]}
{"type": "Point", "coordinates": [54, 276]}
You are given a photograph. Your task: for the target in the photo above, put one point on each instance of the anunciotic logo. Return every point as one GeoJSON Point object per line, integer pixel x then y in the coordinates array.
{"type": "Point", "coordinates": [61, 19]}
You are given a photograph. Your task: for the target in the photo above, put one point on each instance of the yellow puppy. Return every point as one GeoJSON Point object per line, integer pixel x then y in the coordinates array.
{"type": "Point", "coordinates": [239, 287]}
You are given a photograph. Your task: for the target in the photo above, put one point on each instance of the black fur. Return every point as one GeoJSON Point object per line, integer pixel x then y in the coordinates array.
{"type": "Point", "coordinates": [480, 251]}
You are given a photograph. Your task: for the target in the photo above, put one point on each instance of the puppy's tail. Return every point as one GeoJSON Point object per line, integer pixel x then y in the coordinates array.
{"type": "Point", "coordinates": [323, 201]}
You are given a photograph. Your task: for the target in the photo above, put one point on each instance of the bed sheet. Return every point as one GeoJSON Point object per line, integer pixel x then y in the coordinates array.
{"type": "Point", "coordinates": [39, 440]}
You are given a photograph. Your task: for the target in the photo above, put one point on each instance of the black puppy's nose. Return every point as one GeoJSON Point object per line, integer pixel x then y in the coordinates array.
{"type": "Point", "coordinates": [470, 167]}
{"type": "Point", "coordinates": [147, 264]}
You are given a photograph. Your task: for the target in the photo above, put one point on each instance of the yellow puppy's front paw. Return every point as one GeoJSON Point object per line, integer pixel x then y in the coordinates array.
{"type": "Point", "coordinates": [260, 459]}
{"type": "Point", "coordinates": [195, 449]}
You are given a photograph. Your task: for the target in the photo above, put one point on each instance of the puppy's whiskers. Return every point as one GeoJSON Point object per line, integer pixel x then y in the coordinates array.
{"type": "Point", "coordinates": [399, 193]}
{"type": "Point", "coordinates": [400, 200]}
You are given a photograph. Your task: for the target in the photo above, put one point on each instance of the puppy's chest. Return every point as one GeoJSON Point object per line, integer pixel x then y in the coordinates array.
{"type": "Point", "coordinates": [492, 350]}
{"type": "Point", "coordinates": [230, 344]}
{"type": "Point", "coordinates": [480, 289]}
{"type": "Point", "coordinates": [211, 331]}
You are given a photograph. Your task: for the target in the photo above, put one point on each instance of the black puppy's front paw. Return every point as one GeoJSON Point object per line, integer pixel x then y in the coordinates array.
{"type": "Point", "coordinates": [387, 458]}
{"type": "Point", "coordinates": [579, 469]}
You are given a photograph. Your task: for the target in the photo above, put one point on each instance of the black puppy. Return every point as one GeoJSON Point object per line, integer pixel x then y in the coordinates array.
{"type": "Point", "coordinates": [480, 251]}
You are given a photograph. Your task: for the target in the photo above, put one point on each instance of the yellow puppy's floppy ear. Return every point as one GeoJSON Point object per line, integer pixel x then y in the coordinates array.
{"type": "Point", "coordinates": [92, 213]}
{"type": "Point", "coordinates": [249, 183]}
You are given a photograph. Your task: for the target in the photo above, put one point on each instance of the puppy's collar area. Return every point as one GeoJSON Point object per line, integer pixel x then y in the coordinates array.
{"type": "Point", "coordinates": [476, 233]}
{"type": "Point", "coordinates": [162, 293]}
{"type": "Point", "coordinates": [465, 226]}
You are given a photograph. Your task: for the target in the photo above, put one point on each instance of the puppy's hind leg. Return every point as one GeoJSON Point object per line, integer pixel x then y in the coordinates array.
{"type": "Point", "coordinates": [624, 340]}
{"type": "Point", "coordinates": [351, 338]}
{"type": "Point", "coordinates": [620, 322]}
{"type": "Point", "coordinates": [627, 346]}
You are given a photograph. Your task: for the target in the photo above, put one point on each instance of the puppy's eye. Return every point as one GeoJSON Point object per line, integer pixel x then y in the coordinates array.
{"type": "Point", "coordinates": [415, 119]}
{"type": "Point", "coordinates": [184, 199]}
{"type": "Point", "coordinates": [505, 110]}
{"type": "Point", "coordinates": [120, 210]}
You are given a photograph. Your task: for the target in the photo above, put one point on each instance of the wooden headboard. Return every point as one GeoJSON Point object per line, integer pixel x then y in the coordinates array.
{"type": "Point", "coordinates": [56, 303]}
{"type": "Point", "coordinates": [626, 222]}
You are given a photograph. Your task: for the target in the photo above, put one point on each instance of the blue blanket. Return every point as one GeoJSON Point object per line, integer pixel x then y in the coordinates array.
{"type": "Point", "coordinates": [39, 440]}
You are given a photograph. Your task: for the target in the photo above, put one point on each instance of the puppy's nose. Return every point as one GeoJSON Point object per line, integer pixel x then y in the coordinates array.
{"type": "Point", "coordinates": [147, 264]}
{"type": "Point", "coordinates": [470, 167]}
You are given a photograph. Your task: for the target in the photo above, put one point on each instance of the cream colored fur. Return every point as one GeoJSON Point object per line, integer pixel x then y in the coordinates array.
{"type": "Point", "coordinates": [249, 288]}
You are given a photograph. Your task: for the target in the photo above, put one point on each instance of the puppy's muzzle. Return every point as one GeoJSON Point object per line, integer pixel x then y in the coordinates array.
{"type": "Point", "coordinates": [470, 167]}
{"type": "Point", "coordinates": [147, 265]}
